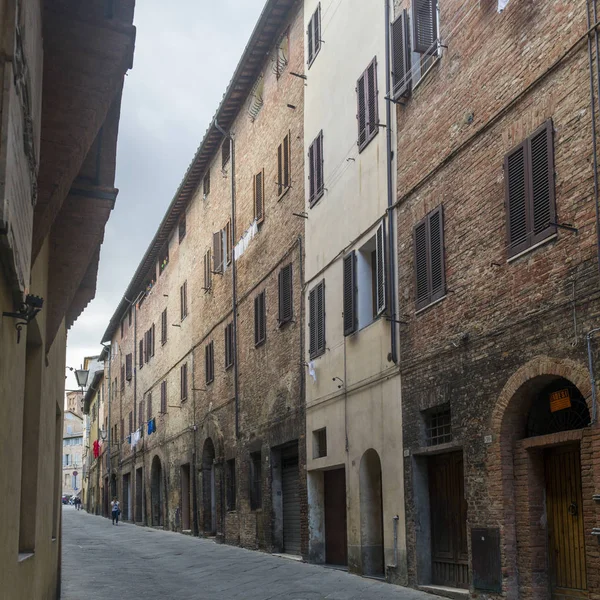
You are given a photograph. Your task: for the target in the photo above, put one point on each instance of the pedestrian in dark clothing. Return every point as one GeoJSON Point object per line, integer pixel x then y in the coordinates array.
{"type": "Point", "coordinates": [116, 511]}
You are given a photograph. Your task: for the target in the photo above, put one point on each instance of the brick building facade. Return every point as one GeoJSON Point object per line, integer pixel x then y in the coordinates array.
{"type": "Point", "coordinates": [500, 438]}
{"type": "Point", "coordinates": [207, 420]}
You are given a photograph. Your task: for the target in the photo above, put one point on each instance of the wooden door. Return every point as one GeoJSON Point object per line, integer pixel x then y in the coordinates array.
{"type": "Point", "coordinates": [566, 542]}
{"type": "Point", "coordinates": [449, 552]}
{"type": "Point", "coordinates": [290, 483]}
{"type": "Point", "coordinates": [336, 537]}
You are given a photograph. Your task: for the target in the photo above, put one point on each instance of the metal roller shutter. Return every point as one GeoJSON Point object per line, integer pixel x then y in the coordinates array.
{"type": "Point", "coordinates": [291, 506]}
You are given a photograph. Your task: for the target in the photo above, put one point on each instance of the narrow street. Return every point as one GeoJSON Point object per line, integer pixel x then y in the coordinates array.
{"type": "Point", "coordinates": [102, 562]}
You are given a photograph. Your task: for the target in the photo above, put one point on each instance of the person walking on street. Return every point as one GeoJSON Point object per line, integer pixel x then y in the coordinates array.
{"type": "Point", "coordinates": [116, 511]}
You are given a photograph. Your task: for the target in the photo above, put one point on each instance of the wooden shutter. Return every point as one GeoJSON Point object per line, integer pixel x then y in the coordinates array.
{"type": "Point", "coordinates": [149, 407]}
{"type": "Point", "coordinates": [141, 413]}
{"type": "Point", "coordinates": [286, 161]}
{"type": "Point", "coordinates": [163, 323]}
{"type": "Point", "coordinates": [317, 29]}
{"type": "Point", "coordinates": [209, 362]}
{"type": "Point", "coordinates": [316, 300]}
{"type": "Point", "coordinates": [319, 166]}
{"type": "Point", "coordinates": [361, 115]}
{"type": "Point", "coordinates": [141, 353]}
{"type": "Point", "coordinates": [185, 309]}
{"type": "Point", "coordinates": [430, 273]}
{"type": "Point", "coordinates": [260, 325]}
{"type": "Point", "coordinates": [436, 245]}
{"type": "Point", "coordinates": [259, 197]}
{"type": "Point", "coordinates": [280, 169]}
{"type": "Point", "coordinates": [541, 169]}
{"type": "Point", "coordinates": [372, 94]}
{"type": "Point", "coordinates": [350, 306]}
{"type": "Point", "coordinates": [163, 397]}
{"type": "Point", "coordinates": [207, 270]}
{"type": "Point", "coordinates": [130, 422]}
{"type": "Point", "coordinates": [515, 168]}
{"type": "Point", "coordinates": [217, 252]}
{"type": "Point", "coordinates": [312, 181]}
{"type": "Point", "coordinates": [421, 260]}
{"type": "Point", "coordinates": [228, 242]}
{"type": "Point", "coordinates": [184, 381]}
{"type": "Point", "coordinates": [401, 63]}
{"type": "Point", "coordinates": [424, 16]}
{"type": "Point", "coordinates": [182, 314]}
{"type": "Point", "coordinates": [381, 269]}
{"type": "Point", "coordinates": [285, 294]}
{"type": "Point", "coordinates": [153, 338]}
{"type": "Point", "coordinates": [310, 41]}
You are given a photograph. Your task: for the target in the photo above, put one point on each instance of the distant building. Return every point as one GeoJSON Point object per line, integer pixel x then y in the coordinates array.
{"type": "Point", "coordinates": [73, 402]}
{"type": "Point", "coordinates": [72, 456]}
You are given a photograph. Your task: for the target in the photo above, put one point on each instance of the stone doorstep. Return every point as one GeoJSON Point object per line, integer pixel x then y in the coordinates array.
{"type": "Point", "coordinates": [446, 592]}
{"type": "Point", "coordinates": [295, 557]}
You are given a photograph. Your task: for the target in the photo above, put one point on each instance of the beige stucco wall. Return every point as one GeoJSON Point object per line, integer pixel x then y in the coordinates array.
{"type": "Point", "coordinates": [72, 428]}
{"type": "Point", "coordinates": [362, 409]}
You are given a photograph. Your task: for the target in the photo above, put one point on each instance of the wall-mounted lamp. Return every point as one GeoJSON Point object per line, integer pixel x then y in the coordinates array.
{"type": "Point", "coordinates": [26, 313]}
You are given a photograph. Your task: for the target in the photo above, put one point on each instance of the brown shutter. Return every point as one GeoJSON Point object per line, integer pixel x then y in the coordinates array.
{"type": "Point", "coordinates": [153, 336]}
{"type": "Point", "coordinates": [361, 115]}
{"type": "Point", "coordinates": [317, 29]}
{"type": "Point", "coordinates": [285, 295]}
{"type": "Point", "coordinates": [319, 165]}
{"type": "Point", "coordinates": [163, 333]}
{"type": "Point", "coordinates": [401, 63]}
{"type": "Point", "coordinates": [381, 269]}
{"type": "Point", "coordinates": [312, 176]}
{"type": "Point", "coordinates": [310, 40]}
{"type": "Point", "coordinates": [436, 252]}
{"type": "Point", "coordinates": [259, 191]}
{"type": "Point", "coordinates": [256, 320]}
{"type": "Point", "coordinates": [217, 252]}
{"type": "Point", "coordinates": [424, 15]}
{"type": "Point", "coordinates": [372, 92]}
{"type": "Point", "coordinates": [163, 397]}
{"type": "Point", "coordinates": [228, 242]}
{"type": "Point", "coordinates": [516, 199]}
{"type": "Point", "coordinates": [421, 261]}
{"type": "Point", "coordinates": [312, 323]}
{"type": "Point", "coordinates": [541, 168]}
{"type": "Point", "coordinates": [141, 353]}
{"type": "Point", "coordinates": [141, 413]}
{"type": "Point", "coordinates": [350, 312]}
{"type": "Point", "coordinates": [321, 318]}
{"type": "Point", "coordinates": [280, 169]}
{"type": "Point", "coordinates": [286, 161]}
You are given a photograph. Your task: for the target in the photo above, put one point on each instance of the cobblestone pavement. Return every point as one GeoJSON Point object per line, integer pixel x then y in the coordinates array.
{"type": "Point", "coordinates": [105, 562]}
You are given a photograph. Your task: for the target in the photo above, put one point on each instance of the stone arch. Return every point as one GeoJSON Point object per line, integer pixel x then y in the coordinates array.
{"type": "Point", "coordinates": [371, 514]}
{"type": "Point", "coordinates": [156, 492]}
{"type": "Point", "coordinates": [508, 425]}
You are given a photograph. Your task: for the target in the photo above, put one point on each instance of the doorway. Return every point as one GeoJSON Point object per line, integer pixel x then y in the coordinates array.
{"type": "Point", "coordinates": [290, 487]}
{"type": "Point", "coordinates": [139, 494]}
{"type": "Point", "coordinates": [126, 495]}
{"type": "Point", "coordinates": [371, 514]}
{"type": "Point", "coordinates": [185, 497]}
{"type": "Point", "coordinates": [208, 488]}
{"type": "Point", "coordinates": [449, 553]}
{"type": "Point", "coordinates": [566, 539]}
{"type": "Point", "coordinates": [336, 535]}
{"type": "Point", "coordinates": [156, 492]}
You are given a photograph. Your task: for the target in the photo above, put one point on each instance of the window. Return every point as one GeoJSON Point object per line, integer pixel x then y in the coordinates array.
{"type": "Point", "coordinates": [66, 460]}
{"type": "Point", "coordinates": [129, 367]}
{"type": "Point", "coordinates": [529, 180]}
{"type": "Point", "coordinates": [368, 110]}
{"type": "Point", "coordinates": [260, 319]}
{"type": "Point", "coordinates": [225, 152]}
{"type": "Point", "coordinates": [438, 426]}
{"type": "Point", "coordinates": [283, 166]}
{"type": "Point", "coordinates": [206, 185]}
{"type": "Point", "coordinates": [286, 307]}
{"type": "Point", "coordinates": [230, 477]}
{"type": "Point", "coordinates": [430, 276]}
{"type": "Point", "coordinates": [182, 228]}
{"type": "Point", "coordinates": [315, 170]}
{"type": "Point", "coordinates": [255, 481]}
{"type": "Point", "coordinates": [183, 300]}
{"type": "Point", "coordinates": [141, 353]}
{"type": "Point", "coordinates": [209, 362]}
{"type": "Point", "coordinates": [229, 346]}
{"type": "Point", "coordinates": [259, 196]}
{"type": "Point", "coordinates": [320, 443]}
{"type": "Point", "coordinates": [218, 252]}
{"type": "Point", "coordinates": [140, 413]}
{"type": "Point", "coordinates": [282, 55]}
{"type": "Point", "coordinates": [149, 345]}
{"type": "Point", "coordinates": [122, 430]}
{"type": "Point", "coordinates": [364, 288]}
{"type": "Point", "coordinates": [316, 302]}
{"type": "Point", "coordinates": [207, 271]}
{"type": "Point", "coordinates": [130, 422]}
{"type": "Point", "coordinates": [424, 37]}
{"type": "Point", "coordinates": [401, 57]}
{"type": "Point", "coordinates": [163, 327]}
{"type": "Point", "coordinates": [184, 382]}
{"type": "Point", "coordinates": [314, 35]}
{"type": "Point", "coordinates": [228, 244]}
{"type": "Point", "coordinates": [163, 396]}
{"type": "Point", "coordinates": [148, 408]}
{"type": "Point", "coordinates": [122, 377]}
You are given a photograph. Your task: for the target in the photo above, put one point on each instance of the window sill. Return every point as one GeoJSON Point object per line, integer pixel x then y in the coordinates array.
{"type": "Point", "coordinates": [516, 257]}
{"type": "Point", "coordinates": [438, 58]}
{"type": "Point", "coordinates": [23, 556]}
{"type": "Point", "coordinates": [418, 312]}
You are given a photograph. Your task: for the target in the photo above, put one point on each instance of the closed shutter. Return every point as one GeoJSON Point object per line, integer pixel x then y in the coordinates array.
{"type": "Point", "coordinates": [291, 505]}
{"type": "Point", "coordinates": [361, 91]}
{"type": "Point", "coordinates": [319, 165]}
{"type": "Point", "coordinates": [280, 169]}
{"type": "Point", "coordinates": [209, 362]}
{"type": "Point", "coordinates": [163, 333]}
{"type": "Point", "coordinates": [286, 161]}
{"type": "Point", "coordinates": [542, 182]}
{"type": "Point", "coordinates": [260, 325]}
{"type": "Point", "coordinates": [401, 64]}
{"type": "Point", "coordinates": [350, 308]}
{"type": "Point", "coordinates": [228, 242]}
{"type": "Point", "coordinates": [153, 336]}
{"type": "Point", "coordinates": [425, 26]}
{"type": "Point", "coordinates": [372, 92]}
{"type": "Point", "coordinates": [259, 192]}
{"type": "Point", "coordinates": [436, 243]}
{"type": "Point", "coordinates": [141, 353]}
{"type": "Point", "coordinates": [217, 252]}
{"type": "Point", "coordinates": [163, 397]}
{"type": "Point", "coordinates": [421, 278]}
{"type": "Point", "coordinates": [183, 382]}
{"type": "Point", "coordinates": [516, 199]}
{"type": "Point", "coordinates": [285, 295]}
{"type": "Point", "coordinates": [316, 300]}
{"type": "Point", "coordinates": [430, 272]}
{"type": "Point", "coordinates": [380, 264]}
{"type": "Point", "coordinates": [310, 41]}
{"type": "Point", "coordinates": [317, 29]}
{"type": "Point", "coordinates": [149, 402]}
{"type": "Point", "coordinates": [141, 413]}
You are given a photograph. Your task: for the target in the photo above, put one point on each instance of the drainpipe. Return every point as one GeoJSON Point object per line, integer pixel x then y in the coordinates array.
{"type": "Point", "coordinates": [108, 435]}
{"type": "Point", "coordinates": [591, 369]}
{"type": "Point", "coordinates": [233, 279]}
{"type": "Point", "coordinates": [390, 191]}
{"type": "Point", "coordinates": [395, 565]}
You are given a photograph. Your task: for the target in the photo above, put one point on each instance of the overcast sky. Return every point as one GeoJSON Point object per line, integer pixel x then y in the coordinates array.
{"type": "Point", "coordinates": [185, 54]}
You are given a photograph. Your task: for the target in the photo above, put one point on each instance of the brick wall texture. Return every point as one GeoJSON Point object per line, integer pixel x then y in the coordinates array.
{"type": "Point", "coordinates": [199, 432]}
{"type": "Point", "coordinates": [504, 329]}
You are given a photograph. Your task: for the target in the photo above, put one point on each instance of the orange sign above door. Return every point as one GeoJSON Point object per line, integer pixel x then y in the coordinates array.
{"type": "Point", "coordinates": [560, 400]}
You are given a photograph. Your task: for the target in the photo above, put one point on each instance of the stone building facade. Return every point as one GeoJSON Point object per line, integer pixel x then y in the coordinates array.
{"type": "Point", "coordinates": [72, 455]}
{"type": "Point", "coordinates": [62, 67]}
{"type": "Point", "coordinates": [207, 413]}
{"type": "Point", "coordinates": [498, 286]}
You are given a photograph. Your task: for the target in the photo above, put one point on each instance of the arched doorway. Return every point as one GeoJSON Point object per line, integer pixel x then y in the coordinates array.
{"type": "Point", "coordinates": [209, 508]}
{"type": "Point", "coordinates": [541, 435]}
{"type": "Point", "coordinates": [371, 514]}
{"type": "Point", "coordinates": [156, 492]}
